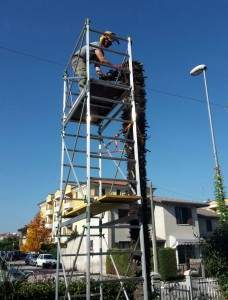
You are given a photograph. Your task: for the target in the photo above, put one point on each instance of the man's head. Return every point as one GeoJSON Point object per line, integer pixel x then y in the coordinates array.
{"type": "Point", "coordinates": [107, 38]}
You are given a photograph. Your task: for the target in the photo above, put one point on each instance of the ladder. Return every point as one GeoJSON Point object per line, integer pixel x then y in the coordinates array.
{"type": "Point", "coordinates": [93, 156]}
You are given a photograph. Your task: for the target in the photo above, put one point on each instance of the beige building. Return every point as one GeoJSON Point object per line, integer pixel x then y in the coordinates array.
{"type": "Point", "coordinates": [50, 207]}
{"type": "Point", "coordinates": [213, 205]}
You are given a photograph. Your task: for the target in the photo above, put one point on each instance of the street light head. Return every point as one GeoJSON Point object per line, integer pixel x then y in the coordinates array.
{"type": "Point", "coordinates": [198, 70]}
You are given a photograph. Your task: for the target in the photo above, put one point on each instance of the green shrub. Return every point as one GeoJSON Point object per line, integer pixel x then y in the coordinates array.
{"type": "Point", "coordinates": [215, 256]}
{"type": "Point", "coordinates": [6, 290]}
{"type": "Point", "coordinates": [121, 260]}
{"type": "Point", "coordinates": [223, 283]}
{"type": "Point", "coordinates": [45, 290]}
{"type": "Point", "coordinates": [36, 290]}
{"type": "Point", "coordinates": [167, 263]}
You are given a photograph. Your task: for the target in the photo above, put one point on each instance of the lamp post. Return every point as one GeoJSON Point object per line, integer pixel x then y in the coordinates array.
{"type": "Point", "coordinates": [195, 72]}
{"type": "Point", "coordinates": [219, 188]}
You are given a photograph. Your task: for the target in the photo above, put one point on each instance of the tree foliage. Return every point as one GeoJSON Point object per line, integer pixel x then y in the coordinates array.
{"type": "Point", "coordinates": [220, 196]}
{"type": "Point", "coordinates": [9, 243]}
{"type": "Point", "coordinates": [215, 255]}
{"type": "Point", "coordinates": [37, 234]}
{"type": "Point", "coordinates": [215, 251]}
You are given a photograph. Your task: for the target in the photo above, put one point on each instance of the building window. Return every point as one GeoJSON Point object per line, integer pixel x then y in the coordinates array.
{"type": "Point", "coordinates": [183, 215]}
{"type": "Point", "coordinates": [117, 192]}
{"type": "Point", "coordinates": [103, 192]}
{"type": "Point", "coordinates": [209, 225]}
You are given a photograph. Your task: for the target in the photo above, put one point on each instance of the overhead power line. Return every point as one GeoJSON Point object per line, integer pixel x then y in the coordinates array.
{"type": "Point", "coordinates": [184, 97]}
{"type": "Point", "coordinates": [31, 56]}
{"type": "Point", "coordinates": [53, 62]}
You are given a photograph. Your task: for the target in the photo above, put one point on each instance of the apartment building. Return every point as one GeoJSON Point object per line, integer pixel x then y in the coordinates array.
{"type": "Point", "coordinates": [74, 197]}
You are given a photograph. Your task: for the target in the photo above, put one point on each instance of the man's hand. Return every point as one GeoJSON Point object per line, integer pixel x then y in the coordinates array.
{"type": "Point", "coordinates": [98, 71]}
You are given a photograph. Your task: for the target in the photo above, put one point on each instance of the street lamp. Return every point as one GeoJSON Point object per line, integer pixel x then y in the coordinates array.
{"type": "Point", "coordinates": [194, 72]}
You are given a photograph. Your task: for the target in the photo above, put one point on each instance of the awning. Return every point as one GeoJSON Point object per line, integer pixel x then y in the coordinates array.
{"type": "Point", "coordinates": [174, 242]}
{"type": "Point", "coordinates": [188, 241]}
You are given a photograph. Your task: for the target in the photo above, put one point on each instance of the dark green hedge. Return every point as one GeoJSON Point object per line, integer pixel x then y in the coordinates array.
{"type": "Point", "coordinates": [121, 260]}
{"type": "Point", "coordinates": [45, 290]}
{"type": "Point", "coordinates": [215, 256]}
{"type": "Point", "coordinates": [167, 263]}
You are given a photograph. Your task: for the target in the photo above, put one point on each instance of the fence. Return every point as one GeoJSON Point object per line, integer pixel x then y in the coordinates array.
{"type": "Point", "coordinates": [206, 288]}
{"type": "Point", "coordinates": [174, 291]}
{"type": "Point", "coordinates": [189, 289]}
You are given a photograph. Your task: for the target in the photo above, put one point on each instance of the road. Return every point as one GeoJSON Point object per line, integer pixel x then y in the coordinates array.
{"type": "Point", "coordinates": [37, 273]}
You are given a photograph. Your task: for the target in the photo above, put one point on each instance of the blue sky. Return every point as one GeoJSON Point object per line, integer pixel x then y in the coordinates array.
{"type": "Point", "coordinates": [169, 37]}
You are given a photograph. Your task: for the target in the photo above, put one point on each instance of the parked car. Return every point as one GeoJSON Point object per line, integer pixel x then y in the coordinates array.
{"type": "Point", "coordinates": [31, 258]}
{"type": "Point", "coordinates": [46, 261]}
{"type": "Point", "coordinates": [15, 274]}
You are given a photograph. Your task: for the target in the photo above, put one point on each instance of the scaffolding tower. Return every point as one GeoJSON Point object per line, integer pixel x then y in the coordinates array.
{"type": "Point", "coordinates": [93, 152]}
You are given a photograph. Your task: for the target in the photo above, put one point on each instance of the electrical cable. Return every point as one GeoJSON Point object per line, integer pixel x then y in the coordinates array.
{"type": "Point", "coordinates": [183, 97]}
{"type": "Point", "coordinates": [31, 56]}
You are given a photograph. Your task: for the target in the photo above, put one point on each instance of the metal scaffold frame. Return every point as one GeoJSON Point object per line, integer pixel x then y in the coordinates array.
{"type": "Point", "coordinates": [87, 115]}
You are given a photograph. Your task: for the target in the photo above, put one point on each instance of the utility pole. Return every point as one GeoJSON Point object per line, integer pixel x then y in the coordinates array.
{"type": "Point", "coordinates": [154, 244]}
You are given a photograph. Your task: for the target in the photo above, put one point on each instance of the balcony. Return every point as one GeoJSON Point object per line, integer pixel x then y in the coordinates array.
{"type": "Point", "coordinates": [68, 192]}
{"type": "Point", "coordinates": [49, 225]}
{"type": "Point", "coordinates": [56, 208]}
{"type": "Point", "coordinates": [49, 211]}
{"type": "Point", "coordinates": [49, 198]}
{"type": "Point", "coordinates": [68, 204]}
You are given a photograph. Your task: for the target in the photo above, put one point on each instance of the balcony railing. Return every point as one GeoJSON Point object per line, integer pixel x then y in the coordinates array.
{"type": "Point", "coordinates": [49, 225]}
{"type": "Point", "coordinates": [56, 208]}
{"type": "Point", "coordinates": [49, 211]}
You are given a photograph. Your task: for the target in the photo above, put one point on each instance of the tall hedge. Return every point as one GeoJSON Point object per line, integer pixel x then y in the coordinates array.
{"type": "Point", "coordinates": [142, 125]}
{"type": "Point", "coordinates": [121, 261]}
{"type": "Point", "coordinates": [167, 263]}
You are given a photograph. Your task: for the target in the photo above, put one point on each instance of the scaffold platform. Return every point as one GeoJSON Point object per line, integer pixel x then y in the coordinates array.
{"type": "Point", "coordinates": [100, 106]}
{"type": "Point", "coordinates": [101, 204]}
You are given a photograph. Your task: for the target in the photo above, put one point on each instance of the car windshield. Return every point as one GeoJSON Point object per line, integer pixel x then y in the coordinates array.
{"type": "Point", "coordinates": [48, 256]}
{"type": "Point", "coordinates": [34, 255]}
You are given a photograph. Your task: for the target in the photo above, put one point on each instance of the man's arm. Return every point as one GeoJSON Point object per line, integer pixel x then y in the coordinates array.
{"type": "Point", "coordinates": [101, 58]}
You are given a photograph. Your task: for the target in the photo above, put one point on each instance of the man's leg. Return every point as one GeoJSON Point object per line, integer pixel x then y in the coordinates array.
{"type": "Point", "coordinates": [79, 67]}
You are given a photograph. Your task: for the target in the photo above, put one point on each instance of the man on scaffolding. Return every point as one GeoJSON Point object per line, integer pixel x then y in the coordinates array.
{"type": "Point", "coordinates": [96, 54]}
